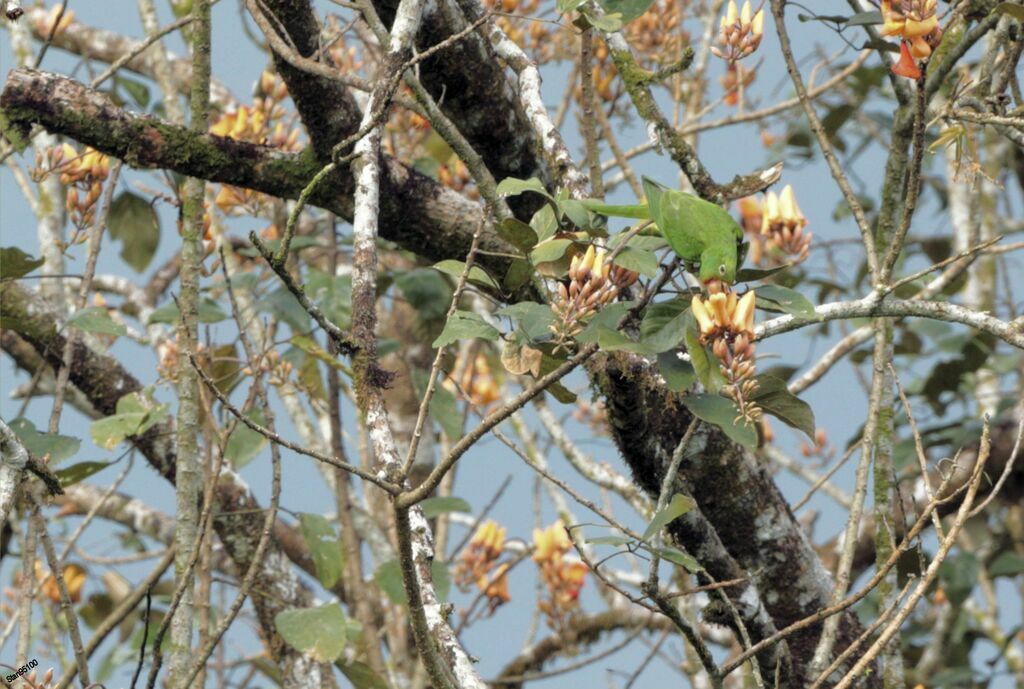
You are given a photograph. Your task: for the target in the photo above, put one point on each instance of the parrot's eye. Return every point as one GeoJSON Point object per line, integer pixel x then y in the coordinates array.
{"type": "Point", "coordinates": [721, 270]}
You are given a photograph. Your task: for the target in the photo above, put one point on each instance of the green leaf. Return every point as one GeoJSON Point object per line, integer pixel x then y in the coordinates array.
{"type": "Point", "coordinates": [755, 274]}
{"type": "Point", "coordinates": [519, 273]}
{"type": "Point", "coordinates": [678, 374]}
{"type": "Point", "coordinates": [135, 223]}
{"type": "Point", "coordinates": [58, 447]}
{"type": "Point", "coordinates": [510, 186]}
{"type": "Point", "coordinates": [535, 320]}
{"type": "Point", "coordinates": [209, 312]}
{"type": "Point", "coordinates": [476, 274]}
{"type": "Point", "coordinates": [778, 298]}
{"type": "Point", "coordinates": [678, 506]}
{"type": "Point", "coordinates": [135, 414]}
{"type": "Point", "coordinates": [15, 263]}
{"type": "Point", "coordinates": [313, 348]}
{"type": "Point", "coordinates": [79, 471]}
{"type": "Point", "coordinates": [678, 557]}
{"type": "Point", "coordinates": [245, 443]}
{"type": "Point", "coordinates": [616, 341]}
{"type": "Point", "coordinates": [566, 6]}
{"type": "Point", "coordinates": [722, 412]}
{"type": "Point", "coordinates": [434, 507]}
{"type": "Point", "coordinates": [550, 250]}
{"type": "Point", "coordinates": [544, 222]}
{"type": "Point", "coordinates": [704, 364]}
{"type": "Point", "coordinates": [283, 305]}
{"type": "Point", "coordinates": [1007, 564]}
{"type": "Point", "coordinates": [606, 318]}
{"type": "Point", "coordinates": [865, 19]}
{"type": "Point", "coordinates": [362, 676]}
{"type": "Point", "coordinates": [638, 260]}
{"type": "Point", "coordinates": [774, 397]}
{"type": "Point", "coordinates": [609, 540]}
{"type": "Point", "coordinates": [17, 134]}
{"type": "Point", "coordinates": [138, 91]}
{"type": "Point", "coordinates": [333, 294]}
{"type": "Point", "coordinates": [638, 211]}
{"type": "Point", "coordinates": [324, 546]}
{"type": "Point", "coordinates": [426, 291]}
{"type": "Point", "coordinates": [518, 234]}
{"type": "Point", "coordinates": [465, 325]}
{"type": "Point", "coordinates": [317, 632]}
{"type": "Point", "coordinates": [96, 319]}
{"type": "Point", "coordinates": [629, 9]}
{"type": "Point", "coordinates": [442, 579]}
{"type": "Point", "coordinates": [1014, 10]}
{"type": "Point", "coordinates": [389, 578]}
{"type": "Point", "coordinates": [664, 325]}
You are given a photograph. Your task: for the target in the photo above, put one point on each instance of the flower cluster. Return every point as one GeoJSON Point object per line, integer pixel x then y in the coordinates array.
{"type": "Point", "coordinates": [74, 580]}
{"type": "Point", "coordinates": [726, 323]}
{"type": "Point", "coordinates": [83, 175]}
{"type": "Point", "coordinates": [563, 577]}
{"type": "Point", "coordinates": [782, 225]}
{"type": "Point", "coordinates": [740, 32]}
{"type": "Point", "coordinates": [915, 23]}
{"type": "Point", "coordinates": [479, 559]}
{"type": "Point", "coordinates": [593, 283]}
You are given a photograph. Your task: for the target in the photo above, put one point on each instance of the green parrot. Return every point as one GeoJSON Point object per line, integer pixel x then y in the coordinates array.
{"type": "Point", "coordinates": [703, 234]}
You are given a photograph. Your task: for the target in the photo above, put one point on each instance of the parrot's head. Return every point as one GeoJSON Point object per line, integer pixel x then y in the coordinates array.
{"type": "Point", "coordinates": [718, 263]}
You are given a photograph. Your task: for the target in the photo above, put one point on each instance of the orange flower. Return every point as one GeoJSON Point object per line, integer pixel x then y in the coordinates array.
{"type": "Point", "coordinates": [906, 67]}
{"type": "Point", "coordinates": [550, 544]}
{"type": "Point", "coordinates": [74, 579]}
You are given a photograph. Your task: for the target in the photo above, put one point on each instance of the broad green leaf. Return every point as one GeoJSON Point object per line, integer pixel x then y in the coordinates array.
{"type": "Point", "coordinates": [442, 579]}
{"type": "Point", "coordinates": [15, 263]}
{"type": "Point", "coordinates": [283, 305]}
{"type": "Point", "coordinates": [566, 6]}
{"type": "Point", "coordinates": [135, 414]}
{"type": "Point", "coordinates": [333, 294]}
{"type": "Point", "coordinates": [96, 319]}
{"type": "Point", "coordinates": [518, 234]}
{"type": "Point", "coordinates": [778, 298]}
{"type": "Point", "coordinates": [534, 320]}
{"type": "Point", "coordinates": [138, 91]}
{"type": "Point", "coordinates": [609, 540]}
{"type": "Point", "coordinates": [313, 348]}
{"type": "Point", "coordinates": [755, 274]}
{"type": "Point", "coordinates": [583, 218]}
{"type": "Point", "coordinates": [443, 407]}
{"type": "Point", "coordinates": [510, 186]}
{"type": "Point", "coordinates": [245, 443]}
{"type": "Point", "coordinates": [678, 506]}
{"type": "Point", "coordinates": [389, 578]}
{"type": "Point", "coordinates": [722, 412]}
{"type": "Point", "coordinates": [617, 341]}
{"type": "Point", "coordinates": [79, 471]}
{"type": "Point", "coordinates": [557, 390]}
{"type": "Point", "coordinates": [865, 19]}
{"type": "Point", "coordinates": [476, 274]}
{"type": "Point", "coordinates": [704, 364]}
{"type": "Point", "coordinates": [638, 260]}
{"type": "Point", "coordinates": [362, 675]}
{"type": "Point", "coordinates": [317, 632]}
{"type": "Point", "coordinates": [324, 546]}
{"type": "Point", "coordinates": [519, 273]}
{"type": "Point", "coordinates": [1007, 564]}
{"type": "Point", "coordinates": [638, 211]}
{"type": "Point", "coordinates": [544, 222]}
{"type": "Point", "coordinates": [209, 312]}
{"type": "Point", "coordinates": [58, 447]}
{"type": "Point", "coordinates": [606, 318]}
{"type": "Point", "coordinates": [775, 398]}
{"type": "Point", "coordinates": [550, 250]}
{"type": "Point", "coordinates": [426, 291]}
{"type": "Point", "coordinates": [465, 325]}
{"type": "Point", "coordinates": [1012, 9]}
{"type": "Point", "coordinates": [678, 374]}
{"type": "Point", "coordinates": [678, 557]}
{"type": "Point", "coordinates": [434, 507]}
{"type": "Point", "coordinates": [627, 9]}
{"type": "Point", "coordinates": [135, 223]}
{"type": "Point", "coordinates": [664, 325]}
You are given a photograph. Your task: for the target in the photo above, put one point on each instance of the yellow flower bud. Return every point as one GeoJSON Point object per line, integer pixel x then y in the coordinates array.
{"type": "Point", "coordinates": [743, 316]}
{"type": "Point", "coordinates": [700, 312]}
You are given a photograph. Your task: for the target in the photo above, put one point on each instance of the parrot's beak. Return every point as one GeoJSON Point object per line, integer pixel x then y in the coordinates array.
{"type": "Point", "coordinates": [714, 286]}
